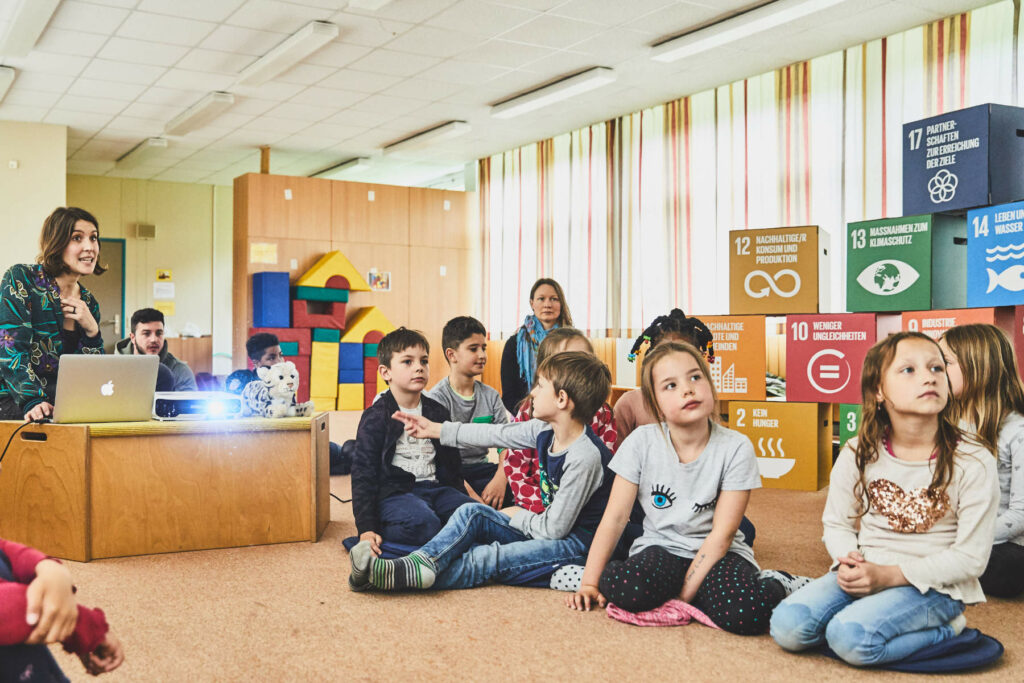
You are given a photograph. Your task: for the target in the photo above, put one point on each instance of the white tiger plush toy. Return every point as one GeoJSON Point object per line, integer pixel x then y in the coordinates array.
{"type": "Point", "coordinates": [273, 394]}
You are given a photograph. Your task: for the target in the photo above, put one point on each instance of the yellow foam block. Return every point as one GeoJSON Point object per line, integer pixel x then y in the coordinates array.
{"type": "Point", "coordinates": [381, 384]}
{"type": "Point", "coordinates": [323, 370]}
{"type": "Point", "coordinates": [368, 319]}
{"type": "Point", "coordinates": [324, 402]}
{"type": "Point", "coordinates": [330, 264]}
{"type": "Point", "coordinates": [350, 397]}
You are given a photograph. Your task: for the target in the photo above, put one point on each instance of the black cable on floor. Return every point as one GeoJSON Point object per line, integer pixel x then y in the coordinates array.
{"type": "Point", "coordinates": [341, 500]}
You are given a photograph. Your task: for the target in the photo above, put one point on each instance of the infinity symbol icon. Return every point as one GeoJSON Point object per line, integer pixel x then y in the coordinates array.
{"type": "Point", "coordinates": [772, 281]}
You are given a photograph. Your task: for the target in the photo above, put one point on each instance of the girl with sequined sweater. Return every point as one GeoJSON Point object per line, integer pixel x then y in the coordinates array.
{"type": "Point", "coordinates": [908, 521]}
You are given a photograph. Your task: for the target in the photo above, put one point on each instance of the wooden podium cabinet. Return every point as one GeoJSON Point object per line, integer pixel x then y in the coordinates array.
{"type": "Point", "coordinates": [89, 491]}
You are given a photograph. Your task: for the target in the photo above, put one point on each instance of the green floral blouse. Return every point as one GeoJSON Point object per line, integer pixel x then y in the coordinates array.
{"type": "Point", "coordinates": [31, 320]}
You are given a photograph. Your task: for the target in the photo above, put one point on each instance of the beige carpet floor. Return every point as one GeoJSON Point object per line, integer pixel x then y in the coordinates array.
{"type": "Point", "coordinates": [284, 613]}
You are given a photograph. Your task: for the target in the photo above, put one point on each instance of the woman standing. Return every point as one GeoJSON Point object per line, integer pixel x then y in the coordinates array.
{"type": "Point", "coordinates": [45, 312]}
{"type": "Point", "coordinates": [519, 359]}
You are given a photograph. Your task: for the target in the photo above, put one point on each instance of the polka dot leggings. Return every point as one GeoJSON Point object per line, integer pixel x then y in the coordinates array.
{"type": "Point", "coordinates": [732, 594]}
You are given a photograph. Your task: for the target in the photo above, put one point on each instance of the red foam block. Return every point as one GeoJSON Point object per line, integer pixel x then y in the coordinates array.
{"type": "Point", "coordinates": [337, 282]}
{"type": "Point", "coordinates": [302, 365]}
{"type": "Point", "coordinates": [334, 318]}
{"type": "Point", "coordinates": [373, 337]}
{"type": "Point", "coordinates": [369, 393]}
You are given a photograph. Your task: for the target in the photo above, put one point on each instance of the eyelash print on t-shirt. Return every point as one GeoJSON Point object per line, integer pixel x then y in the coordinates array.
{"type": "Point", "coordinates": [662, 497]}
{"type": "Point", "coordinates": [704, 507]}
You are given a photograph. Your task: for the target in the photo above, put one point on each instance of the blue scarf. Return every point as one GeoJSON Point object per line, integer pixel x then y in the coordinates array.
{"type": "Point", "coordinates": [531, 334]}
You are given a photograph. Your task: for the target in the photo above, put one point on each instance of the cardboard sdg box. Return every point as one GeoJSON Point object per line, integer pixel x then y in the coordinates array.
{"type": "Point", "coordinates": [890, 262]}
{"type": "Point", "coordinates": [825, 354]}
{"type": "Point", "coordinates": [778, 270]}
{"type": "Point", "coordinates": [740, 360]}
{"type": "Point", "coordinates": [849, 422]}
{"type": "Point", "coordinates": [995, 256]}
{"type": "Point", "coordinates": [935, 323]}
{"type": "Point", "coordinates": [963, 159]}
{"type": "Point", "coordinates": [792, 441]}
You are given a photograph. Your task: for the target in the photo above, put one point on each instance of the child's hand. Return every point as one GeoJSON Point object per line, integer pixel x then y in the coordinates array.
{"type": "Point", "coordinates": [107, 656]}
{"type": "Point", "coordinates": [867, 578]}
{"type": "Point", "coordinates": [851, 559]}
{"type": "Point", "coordinates": [584, 597]}
{"type": "Point", "coordinates": [494, 493]}
{"type": "Point", "coordinates": [51, 604]}
{"type": "Point", "coordinates": [374, 538]}
{"type": "Point", "coordinates": [418, 426]}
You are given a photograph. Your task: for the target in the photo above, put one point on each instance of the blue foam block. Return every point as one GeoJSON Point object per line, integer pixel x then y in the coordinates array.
{"type": "Point", "coordinates": [350, 357]}
{"type": "Point", "coordinates": [270, 304]}
{"type": "Point", "coordinates": [350, 376]}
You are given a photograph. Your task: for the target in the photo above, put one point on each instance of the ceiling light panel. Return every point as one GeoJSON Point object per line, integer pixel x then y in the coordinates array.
{"type": "Point", "coordinates": [143, 153]}
{"type": "Point", "coordinates": [7, 74]}
{"type": "Point", "coordinates": [558, 91]}
{"type": "Point", "coordinates": [445, 131]}
{"type": "Point", "coordinates": [290, 52]}
{"type": "Point", "coordinates": [26, 26]}
{"type": "Point", "coordinates": [200, 114]}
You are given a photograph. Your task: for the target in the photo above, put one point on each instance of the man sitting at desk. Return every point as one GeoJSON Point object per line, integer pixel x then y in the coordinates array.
{"type": "Point", "coordinates": [147, 338]}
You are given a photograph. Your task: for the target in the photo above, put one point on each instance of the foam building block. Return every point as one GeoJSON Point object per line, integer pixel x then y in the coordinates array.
{"type": "Point", "coordinates": [302, 317]}
{"type": "Point", "coordinates": [326, 334]}
{"type": "Point", "coordinates": [350, 356]}
{"type": "Point", "coordinates": [381, 384]}
{"type": "Point", "coordinates": [301, 336]}
{"type": "Point", "coordinates": [270, 299]}
{"type": "Point", "coordinates": [350, 376]}
{"type": "Point", "coordinates": [370, 350]}
{"type": "Point", "coordinates": [369, 393]}
{"type": "Point", "coordinates": [330, 265]}
{"type": "Point", "coordinates": [302, 365]}
{"type": "Point", "coordinates": [370, 366]}
{"type": "Point", "coordinates": [368, 321]}
{"type": "Point", "coordinates": [350, 397]}
{"type": "Point", "coordinates": [323, 370]}
{"type": "Point", "coordinates": [289, 349]}
{"type": "Point", "coordinates": [321, 294]}
{"type": "Point", "coordinates": [321, 403]}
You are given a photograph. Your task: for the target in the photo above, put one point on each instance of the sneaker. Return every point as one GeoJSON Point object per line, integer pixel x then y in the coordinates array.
{"type": "Point", "coordinates": [789, 582]}
{"type": "Point", "coordinates": [567, 578]}
{"type": "Point", "coordinates": [958, 624]}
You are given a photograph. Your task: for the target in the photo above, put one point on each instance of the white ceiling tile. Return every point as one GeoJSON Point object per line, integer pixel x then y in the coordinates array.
{"type": "Point", "coordinates": [233, 118]}
{"type": "Point", "coordinates": [146, 127]}
{"type": "Point", "coordinates": [393, 63]}
{"type": "Point", "coordinates": [146, 172]}
{"type": "Point", "coordinates": [359, 81]}
{"type": "Point", "coordinates": [615, 45]}
{"type": "Point", "coordinates": [423, 89]}
{"type": "Point", "coordinates": [675, 18]}
{"type": "Point", "coordinates": [301, 112]}
{"type": "Point", "coordinates": [64, 42]}
{"type": "Point", "coordinates": [109, 70]}
{"type": "Point", "coordinates": [274, 90]}
{"type": "Point", "coordinates": [19, 112]}
{"type": "Point", "coordinates": [270, 15]}
{"type": "Point", "coordinates": [328, 97]}
{"type": "Point", "coordinates": [94, 105]}
{"type": "Point", "coordinates": [161, 28]}
{"type": "Point", "coordinates": [465, 73]}
{"type": "Point", "coordinates": [360, 119]}
{"type": "Point", "coordinates": [183, 79]}
{"type": "Point", "coordinates": [80, 122]}
{"type": "Point", "coordinates": [126, 4]}
{"type": "Point", "coordinates": [159, 112]}
{"type": "Point", "coordinates": [483, 18]}
{"type": "Point", "coordinates": [223, 153]}
{"type": "Point", "coordinates": [89, 167]}
{"type": "Point", "coordinates": [252, 138]}
{"type": "Point", "coordinates": [199, 59]}
{"type": "Point", "coordinates": [477, 96]}
{"type": "Point", "coordinates": [609, 12]}
{"type": "Point", "coordinates": [206, 134]}
{"type": "Point", "coordinates": [252, 106]}
{"type": "Point", "coordinates": [550, 31]}
{"type": "Point", "coordinates": [276, 125]}
{"type": "Point", "coordinates": [334, 131]}
{"type": "Point", "coordinates": [335, 5]}
{"type": "Point", "coordinates": [168, 97]}
{"type": "Point", "coordinates": [204, 10]}
{"type": "Point", "coordinates": [558, 65]}
{"type": "Point", "coordinates": [242, 40]}
{"type": "Point", "coordinates": [75, 143]}
{"type": "Point", "coordinates": [338, 54]}
{"type": "Point", "coordinates": [206, 166]}
{"type": "Point", "coordinates": [306, 74]}
{"type": "Point", "coordinates": [538, 5]}
{"type": "Point", "coordinates": [415, 11]}
{"type": "Point", "coordinates": [435, 42]}
{"type": "Point", "coordinates": [142, 52]}
{"type": "Point", "coordinates": [505, 53]}
{"type": "Point", "coordinates": [48, 63]}
{"type": "Point", "coordinates": [383, 103]}
{"type": "Point", "coordinates": [102, 150]}
{"type": "Point", "coordinates": [368, 31]}
{"type": "Point", "coordinates": [89, 87]}
{"type": "Point", "coordinates": [87, 17]}
{"type": "Point", "coordinates": [30, 98]}
{"type": "Point", "coordinates": [43, 82]}
{"type": "Point", "coordinates": [304, 143]}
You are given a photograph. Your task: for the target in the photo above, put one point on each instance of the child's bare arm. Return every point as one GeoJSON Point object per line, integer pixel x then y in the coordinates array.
{"type": "Point", "coordinates": [616, 515]}
{"type": "Point", "coordinates": [728, 515]}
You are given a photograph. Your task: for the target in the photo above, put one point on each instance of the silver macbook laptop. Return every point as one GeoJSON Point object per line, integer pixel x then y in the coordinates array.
{"type": "Point", "coordinates": [102, 388]}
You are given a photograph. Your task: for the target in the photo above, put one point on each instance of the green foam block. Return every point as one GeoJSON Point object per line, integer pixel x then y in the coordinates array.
{"type": "Point", "coordinates": [289, 348]}
{"type": "Point", "coordinates": [369, 350]}
{"type": "Point", "coordinates": [321, 294]}
{"type": "Point", "coordinates": [326, 334]}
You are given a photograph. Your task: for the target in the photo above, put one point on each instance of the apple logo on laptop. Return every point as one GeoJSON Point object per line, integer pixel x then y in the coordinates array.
{"type": "Point", "coordinates": [107, 389]}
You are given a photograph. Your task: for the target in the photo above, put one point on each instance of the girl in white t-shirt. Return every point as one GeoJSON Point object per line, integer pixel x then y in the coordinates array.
{"type": "Point", "coordinates": [693, 479]}
{"type": "Point", "coordinates": [983, 376]}
{"type": "Point", "coordinates": [908, 520]}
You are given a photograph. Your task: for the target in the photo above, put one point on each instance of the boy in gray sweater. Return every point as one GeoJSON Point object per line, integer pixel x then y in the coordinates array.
{"type": "Point", "coordinates": [469, 400]}
{"type": "Point", "coordinates": [479, 544]}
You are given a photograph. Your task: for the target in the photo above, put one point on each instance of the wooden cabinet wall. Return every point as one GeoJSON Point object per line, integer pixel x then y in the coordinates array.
{"type": "Point", "coordinates": [410, 232]}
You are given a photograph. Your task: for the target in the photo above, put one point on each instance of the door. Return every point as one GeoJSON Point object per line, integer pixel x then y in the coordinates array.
{"type": "Point", "coordinates": [109, 291]}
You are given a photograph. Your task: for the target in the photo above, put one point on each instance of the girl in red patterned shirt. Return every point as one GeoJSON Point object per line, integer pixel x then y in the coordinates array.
{"type": "Point", "coordinates": [521, 466]}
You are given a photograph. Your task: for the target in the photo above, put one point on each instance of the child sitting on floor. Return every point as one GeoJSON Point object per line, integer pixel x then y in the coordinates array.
{"type": "Point", "coordinates": [403, 488]}
{"type": "Point", "coordinates": [693, 478]}
{"type": "Point", "coordinates": [467, 399]}
{"type": "Point", "coordinates": [983, 376]}
{"type": "Point", "coordinates": [521, 466]}
{"type": "Point", "coordinates": [480, 544]}
{"type": "Point", "coordinates": [908, 521]}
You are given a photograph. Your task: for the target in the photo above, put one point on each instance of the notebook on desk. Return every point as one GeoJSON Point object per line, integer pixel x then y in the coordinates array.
{"type": "Point", "coordinates": [101, 388]}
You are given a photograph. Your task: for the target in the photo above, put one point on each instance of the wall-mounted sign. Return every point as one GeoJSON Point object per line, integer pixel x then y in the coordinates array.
{"type": "Point", "coordinates": [825, 355]}
{"type": "Point", "coordinates": [777, 271]}
{"type": "Point", "coordinates": [738, 370]}
{"type": "Point", "coordinates": [792, 441]}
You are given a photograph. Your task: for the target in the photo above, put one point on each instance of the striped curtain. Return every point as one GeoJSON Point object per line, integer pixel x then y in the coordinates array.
{"type": "Point", "coordinates": [633, 215]}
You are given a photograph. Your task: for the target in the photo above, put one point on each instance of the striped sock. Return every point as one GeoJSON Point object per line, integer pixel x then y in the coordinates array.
{"type": "Point", "coordinates": [360, 557]}
{"type": "Point", "coordinates": [412, 571]}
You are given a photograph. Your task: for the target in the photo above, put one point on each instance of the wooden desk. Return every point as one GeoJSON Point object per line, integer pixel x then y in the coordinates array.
{"type": "Point", "coordinates": [84, 492]}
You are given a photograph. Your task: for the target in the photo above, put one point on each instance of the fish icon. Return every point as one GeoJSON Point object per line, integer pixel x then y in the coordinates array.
{"type": "Point", "coordinates": [1011, 279]}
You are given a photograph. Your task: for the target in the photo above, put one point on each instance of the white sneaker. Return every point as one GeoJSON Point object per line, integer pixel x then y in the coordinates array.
{"type": "Point", "coordinates": [789, 582]}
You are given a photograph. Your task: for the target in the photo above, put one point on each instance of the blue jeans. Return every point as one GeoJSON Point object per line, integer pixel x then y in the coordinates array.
{"type": "Point", "coordinates": [477, 545]}
{"type": "Point", "coordinates": [416, 517]}
{"type": "Point", "coordinates": [885, 627]}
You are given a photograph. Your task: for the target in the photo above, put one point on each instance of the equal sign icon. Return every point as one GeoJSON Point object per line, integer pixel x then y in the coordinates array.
{"type": "Point", "coordinates": [828, 371]}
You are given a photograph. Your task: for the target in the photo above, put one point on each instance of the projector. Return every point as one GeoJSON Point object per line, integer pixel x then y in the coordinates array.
{"type": "Point", "coordinates": [196, 405]}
